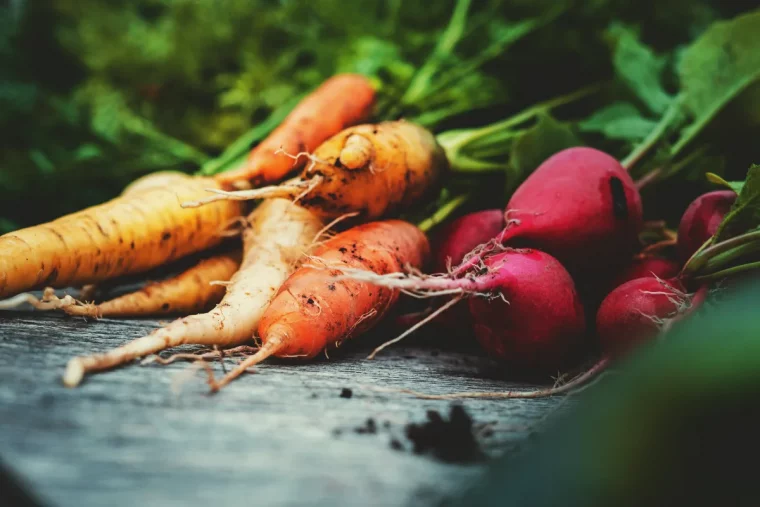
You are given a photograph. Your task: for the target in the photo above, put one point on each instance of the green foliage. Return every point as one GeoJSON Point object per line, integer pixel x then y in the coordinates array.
{"type": "Point", "coordinates": [620, 121]}
{"type": "Point", "coordinates": [123, 88]}
{"type": "Point", "coordinates": [744, 215]}
{"type": "Point", "coordinates": [544, 139]}
{"type": "Point", "coordinates": [640, 69]}
{"type": "Point", "coordinates": [736, 186]}
{"type": "Point", "coordinates": [717, 68]}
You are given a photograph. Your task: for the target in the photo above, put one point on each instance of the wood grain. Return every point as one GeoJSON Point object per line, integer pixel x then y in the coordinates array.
{"type": "Point", "coordinates": [280, 437]}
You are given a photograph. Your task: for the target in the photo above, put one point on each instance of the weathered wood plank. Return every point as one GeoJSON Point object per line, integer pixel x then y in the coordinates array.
{"type": "Point", "coordinates": [125, 438]}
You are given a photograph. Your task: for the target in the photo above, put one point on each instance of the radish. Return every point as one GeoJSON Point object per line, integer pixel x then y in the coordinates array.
{"type": "Point", "coordinates": [458, 237]}
{"type": "Point", "coordinates": [523, 304]}
{"type": "Point", "coordinates": [453, 242]}
{"type": "Point", "coordinates": [538, 321]}
{"type": "Point", "coordinates": [647, 266]}
{"type": "Point", "coordinates": [701, 220]}
{"type": "Point", "coordinates": [636, 311]}
{"type": "Point", "coordinates": [580, 206]}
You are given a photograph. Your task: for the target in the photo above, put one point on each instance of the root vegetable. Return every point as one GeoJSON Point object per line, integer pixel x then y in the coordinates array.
{"type": "Point", "coordinates": [701, 220]}
{"type": "Point", "coordinates": [370, 169]}
{"type": "Point", "coordinates": [635, 312]}
{"type": "Point", "coordinates": [524, 305]}
{"type": "Point", "coordinates": [280, 232]}
{"type": "Point", "coordinates": [341, 101]}
{"type": "Point", "coordinates": [189, 292]}
{"type": "Point", "coordinates": [130, 234]}
{"type": "Point", "coordinates": [580, 206]}
{"type": "Point", "coordinates": [647, 266]}
{"type": "Point", "coordinates": [313, 310]}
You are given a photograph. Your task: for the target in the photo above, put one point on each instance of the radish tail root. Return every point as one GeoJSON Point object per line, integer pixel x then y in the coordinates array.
{"type": "Point", "coordinates": [566, 388]}
{"type": "Point", "coordinates": [476, 256]}
{"type": "Point", "coordinates": [415, 327]}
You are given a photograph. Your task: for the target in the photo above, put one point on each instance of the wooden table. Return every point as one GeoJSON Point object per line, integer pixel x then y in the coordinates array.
{"type": "Point", "coordinates": [283, 436]}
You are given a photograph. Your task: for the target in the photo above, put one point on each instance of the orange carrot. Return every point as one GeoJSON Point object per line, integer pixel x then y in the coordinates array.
{"type": "Point", "coordinates": [341, 101]}
{"type": "Point", "coordinates": [130, 234]}
{"type": "Point", "coordinates": [189, 292]}
{"type": "Point", "coordinates": [313, 311]}
{"type": "Point", "coordinates": [370, 169]}
{"type": "Point", "coordinates": [279, 233]}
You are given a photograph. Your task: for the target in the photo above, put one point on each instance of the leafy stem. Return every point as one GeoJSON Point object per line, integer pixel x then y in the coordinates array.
{"type": "Point", "coordinates": [442, 213]}
{"type": "Point", "coordinates": [671, 114]}
{"type": "Point", "coordinates": [465, 148]}
{"type": "Point", "coordinates": [724, 252]}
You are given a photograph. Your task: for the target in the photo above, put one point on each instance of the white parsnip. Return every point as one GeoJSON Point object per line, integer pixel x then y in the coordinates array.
{"type": "Point", "coordinates": [280, 232]}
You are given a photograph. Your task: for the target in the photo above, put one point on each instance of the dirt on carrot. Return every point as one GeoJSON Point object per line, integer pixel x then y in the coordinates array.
{"type": "Point", "coordinates": [313, 311]}
{"type": "Point", "coordinates": [280, 232]}
{"type": "Point", "coordinates": [130, 234]}
{"type": "Point", "coordinates": [192, 291]}
{"type": "Point", "coordinates": [374, 170]}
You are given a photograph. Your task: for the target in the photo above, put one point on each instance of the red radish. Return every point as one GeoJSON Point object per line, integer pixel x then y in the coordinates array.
{"type": "Point", "coordinates": [647, 266]}
{"type": "Point", "coordinates": [540, 322]}
{"type": "Point", "coordinates": [701, 220]}
{"type": "Point", "coordinates": [525, 308]}
{"type": "Point", "coordinates": [454, 241]}
{"type": "Point", "coordinates": [580, 206]}
{"type": "Point", "coordinates": [636, 311]}
{"type": "Point", "coordinates": [457, 238]}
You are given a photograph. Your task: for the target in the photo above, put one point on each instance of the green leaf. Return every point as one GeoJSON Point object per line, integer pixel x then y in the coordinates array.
{"type": "Point", "coordinates": [745, 213]}
{"type": "Point", "coordinates": [736, 186]}
{"type": "Point", "coordinates": [640, 68]}
{"type": "Point", "coordinates": [619, 121]}
{"type": "Point", "coordinates": [717, 68]}
{"type": "Point", "coordinates": [544, 139]}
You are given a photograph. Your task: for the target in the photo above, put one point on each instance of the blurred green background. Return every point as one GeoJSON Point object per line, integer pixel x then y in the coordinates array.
{"type": "Point", "coordinates": [94, 93]}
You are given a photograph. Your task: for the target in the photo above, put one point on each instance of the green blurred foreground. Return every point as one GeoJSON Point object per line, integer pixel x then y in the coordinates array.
{"type": "Point", "coordinates": [676, 425]}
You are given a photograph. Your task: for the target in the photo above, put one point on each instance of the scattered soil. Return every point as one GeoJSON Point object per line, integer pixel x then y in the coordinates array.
{"type": "Point", "coordinates": [449, 440]}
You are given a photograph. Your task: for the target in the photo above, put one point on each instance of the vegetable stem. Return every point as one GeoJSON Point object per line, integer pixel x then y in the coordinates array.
{"type": "Point", "coordinates": [654, 136]}
{"type": "Point", "coordinates": [727, 272]}
{"type": "Point", "coordinates": [446, 43]}
{"type": "Point", "coordinates": [237, 151]}
{"type": "Point", "coordinates": [459, 145]}
{"type": "Point", "coordinates": [443, 212]}
{"type": "Point", "coordinates": [700, 259]}
{"type": "Point", "coordinates": [720, 260]}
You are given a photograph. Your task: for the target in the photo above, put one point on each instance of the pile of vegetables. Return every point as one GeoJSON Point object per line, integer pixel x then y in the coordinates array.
{"type": "Point", "coordinates": [579, 251]}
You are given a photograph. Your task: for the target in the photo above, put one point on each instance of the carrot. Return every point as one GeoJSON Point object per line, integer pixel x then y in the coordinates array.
{"type": "Point", "coordinates": [370, 169]}
{"type": "Point", "coordinates": [189, 292]}
{"type": "Point", "coordinates": [130, 234]}
{"type": "Point", "coordinates": [341, 101]}
{"type": "Point", "coordinates": [312, 310]}
{"type": "Point", "coordinates": [158, 179]}
{"type": "Point", "coordinates": [279, 233]}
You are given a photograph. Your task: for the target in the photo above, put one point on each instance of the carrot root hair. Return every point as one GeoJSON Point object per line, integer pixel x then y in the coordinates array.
{"type": "Point", "coordinates": [49, 301]}
{"type": "Point", "coordinates": [294, 190]}
{"type": "Point", "coordinates": [274, 344]}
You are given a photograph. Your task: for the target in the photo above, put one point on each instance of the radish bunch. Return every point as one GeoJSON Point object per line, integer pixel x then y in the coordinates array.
{"type": "Point", "coordinates": [577, 218]}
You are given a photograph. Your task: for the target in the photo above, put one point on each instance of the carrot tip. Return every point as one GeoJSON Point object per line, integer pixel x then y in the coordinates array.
{"type": "Point", "coordinates": [74, 373]}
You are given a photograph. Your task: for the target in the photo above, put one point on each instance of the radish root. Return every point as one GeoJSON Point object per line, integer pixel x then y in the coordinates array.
{"type": "Point", "coordinates": [415, 327]}
{"type": "Point", "coordinates": [568, 388]}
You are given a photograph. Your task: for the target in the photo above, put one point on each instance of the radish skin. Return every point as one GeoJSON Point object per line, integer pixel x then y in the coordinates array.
{"type": "Point", "coordinates": [579, 206]}
{"type": "Point", "coordinates": [701, 220]}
